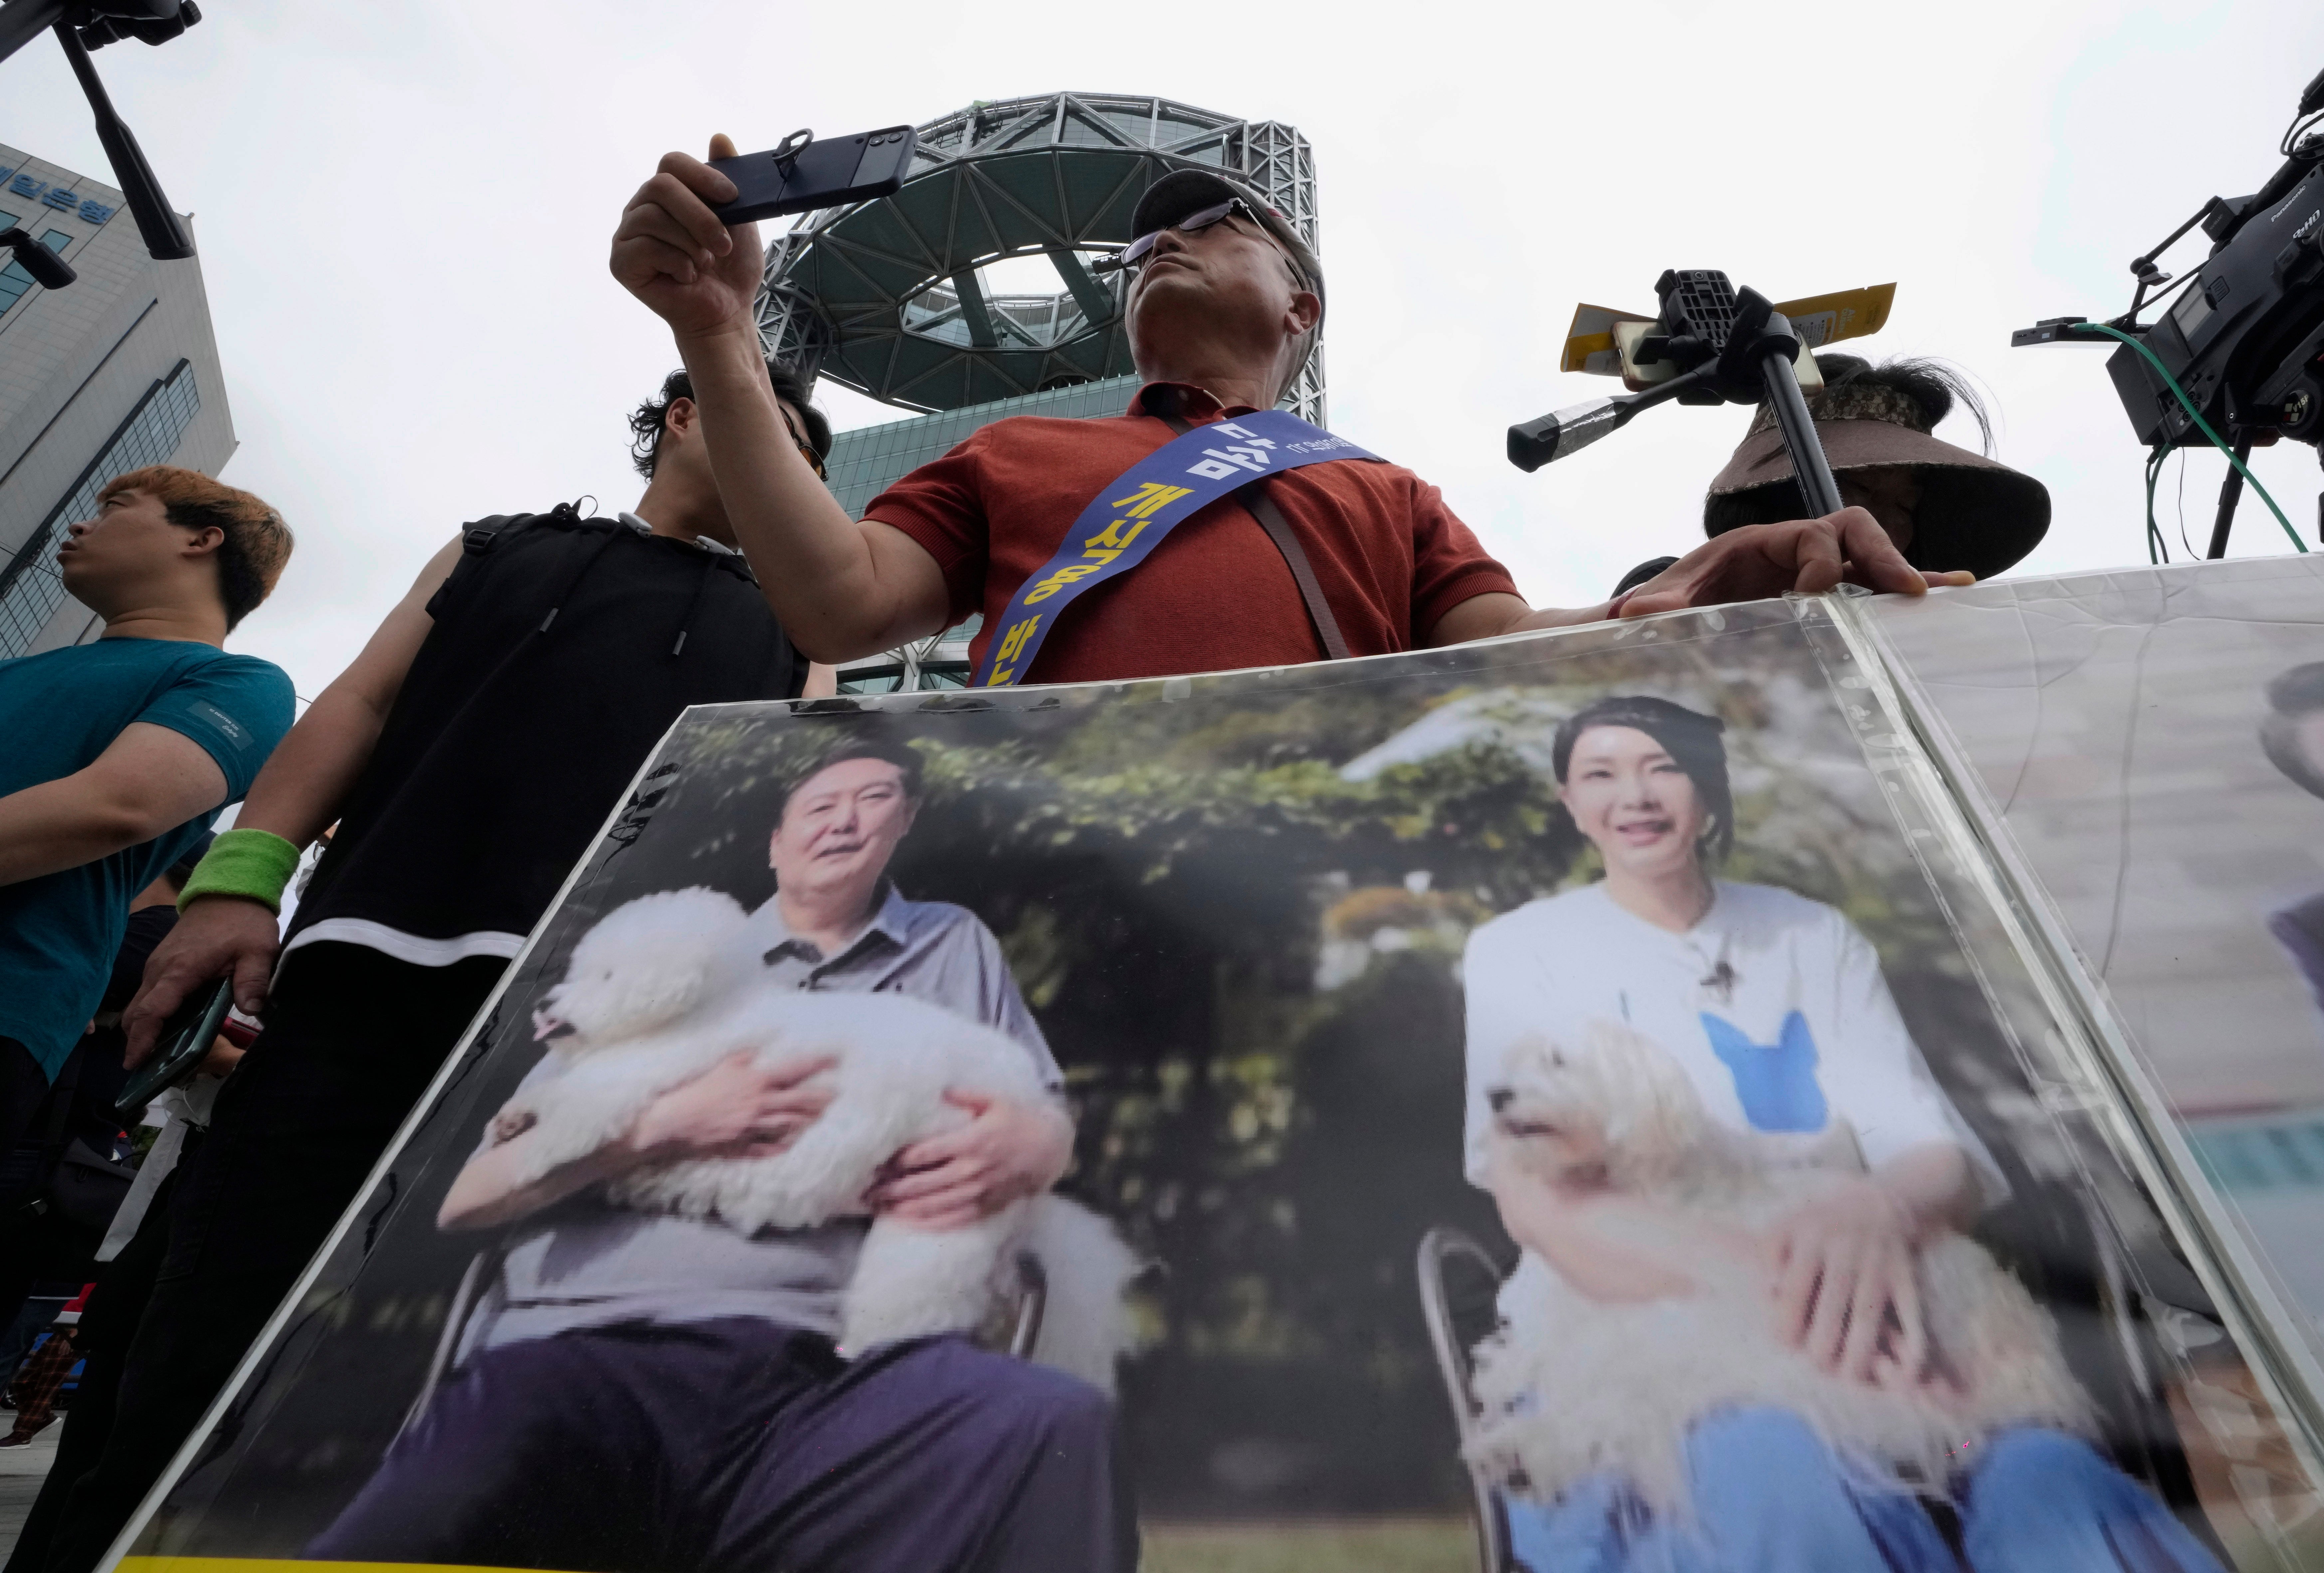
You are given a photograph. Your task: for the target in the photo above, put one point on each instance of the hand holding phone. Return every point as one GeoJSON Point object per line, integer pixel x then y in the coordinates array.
{"type": "Point", "coordinates": [185, 1042]}
{"type": "Point", "coordinates": [807, 172]}
{"type": "Point", "coordinates": [687, 249]}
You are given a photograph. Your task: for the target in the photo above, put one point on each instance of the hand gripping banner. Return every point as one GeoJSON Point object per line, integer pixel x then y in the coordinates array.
{"type": "Point", "coordinates": [1131, 516]}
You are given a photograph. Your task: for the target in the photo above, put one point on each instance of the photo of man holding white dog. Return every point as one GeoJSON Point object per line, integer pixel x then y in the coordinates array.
{"type": "Point", "coordinates": [662, 1387]}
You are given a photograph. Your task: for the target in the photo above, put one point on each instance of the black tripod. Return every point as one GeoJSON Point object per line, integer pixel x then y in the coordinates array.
{"type": "Point", "coordinates": [2231, 491]}
{"type": "Point", "coordinates": [1729, 346]}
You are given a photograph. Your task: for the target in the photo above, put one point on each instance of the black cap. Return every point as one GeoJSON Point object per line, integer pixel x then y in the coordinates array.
{"type": "Point", "coordinates": [1182, 192]}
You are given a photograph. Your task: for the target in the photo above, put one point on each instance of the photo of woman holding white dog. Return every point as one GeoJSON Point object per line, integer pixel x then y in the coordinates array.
{"type": "Point", "coordinates": [1746, 1332]}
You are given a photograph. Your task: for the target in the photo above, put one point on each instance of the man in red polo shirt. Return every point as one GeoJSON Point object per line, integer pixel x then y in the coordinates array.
{"type": "Point", "coordinates": [1223, 311]}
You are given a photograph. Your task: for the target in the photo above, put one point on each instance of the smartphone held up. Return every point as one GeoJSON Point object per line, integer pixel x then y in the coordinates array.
{"type": "Point", "coordinates": [806, 172]}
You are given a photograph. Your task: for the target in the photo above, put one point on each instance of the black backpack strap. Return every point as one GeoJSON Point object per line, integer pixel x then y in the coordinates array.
{"type": "Point", "coordinates": [476, 538]}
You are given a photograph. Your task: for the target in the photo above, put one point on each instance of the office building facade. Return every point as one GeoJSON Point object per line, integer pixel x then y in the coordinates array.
{"type": "Point", "coordinates": [117, 371]}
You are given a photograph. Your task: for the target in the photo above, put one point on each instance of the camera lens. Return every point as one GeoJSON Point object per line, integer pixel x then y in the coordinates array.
{"type": "Point", "coordinates": [2303, 410]}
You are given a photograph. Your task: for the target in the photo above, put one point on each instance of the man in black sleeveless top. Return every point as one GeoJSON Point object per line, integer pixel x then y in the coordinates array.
{"type": "Point", "coordinates": [469, 755]}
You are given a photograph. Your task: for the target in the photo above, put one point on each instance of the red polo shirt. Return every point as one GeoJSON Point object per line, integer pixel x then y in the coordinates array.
{"type": "Point", "coordinates": [1216, 595]}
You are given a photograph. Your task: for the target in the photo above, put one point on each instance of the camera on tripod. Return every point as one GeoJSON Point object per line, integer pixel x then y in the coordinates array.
{"type": "Point", "coordinates": [1710, 344]}
{"type": "Point", "coordinates": [2237, 358]}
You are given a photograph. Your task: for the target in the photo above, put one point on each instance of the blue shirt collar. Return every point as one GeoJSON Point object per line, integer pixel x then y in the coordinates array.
{"type": "Point", "coordinates": [891, 920]}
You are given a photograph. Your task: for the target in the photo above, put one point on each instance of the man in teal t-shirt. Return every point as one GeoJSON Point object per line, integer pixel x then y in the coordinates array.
{"type": "Point", "coordinates": [119, 754]}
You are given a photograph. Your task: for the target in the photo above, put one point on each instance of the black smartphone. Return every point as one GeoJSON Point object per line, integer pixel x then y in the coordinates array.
{"type": "Point", "coordinates": [809, 172]}
{"type": "Point", "coordinates": [185, 1040]}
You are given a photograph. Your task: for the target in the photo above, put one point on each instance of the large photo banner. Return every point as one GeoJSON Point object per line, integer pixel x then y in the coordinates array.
{"type": "Point", "coordinates": [1575, 1103]}
{"type": "Point", "coordinates": [2154, 741]}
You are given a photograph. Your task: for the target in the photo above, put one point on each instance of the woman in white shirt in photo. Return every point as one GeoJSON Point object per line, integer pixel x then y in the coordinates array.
{"type": "Point", "coordinates": [1774, 1006]}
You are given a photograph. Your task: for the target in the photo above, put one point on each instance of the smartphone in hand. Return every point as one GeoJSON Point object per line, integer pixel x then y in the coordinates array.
{"type": "Point", "coordinates": [186, 1040]}
{"type": "Point", "coordinates": [808, 171]}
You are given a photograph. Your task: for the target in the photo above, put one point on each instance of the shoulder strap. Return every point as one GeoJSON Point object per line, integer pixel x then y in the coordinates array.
{"type": "Point", "coordinates": [1279, 531]}
{"type": "Point", "coordinates": [477, 539]}
{"type": "Point", "coordinates": [1270, 519]}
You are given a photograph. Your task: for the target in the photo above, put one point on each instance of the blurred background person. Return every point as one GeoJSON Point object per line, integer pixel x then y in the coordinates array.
{"type": "Point", "coordinates": [47, 1240]}
{"type": "Point", "coordinates": [130, 1255]}
{"type": "Point", "coordinates": [32, 1391]}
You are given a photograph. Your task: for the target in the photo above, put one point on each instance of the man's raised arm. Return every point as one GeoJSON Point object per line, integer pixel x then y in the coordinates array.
{"type": "Point", "coordinates": [840, 589]}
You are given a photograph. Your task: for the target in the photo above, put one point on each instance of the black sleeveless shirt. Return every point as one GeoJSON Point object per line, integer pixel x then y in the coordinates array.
{"type": "Point", "coordinates": [563, 650]}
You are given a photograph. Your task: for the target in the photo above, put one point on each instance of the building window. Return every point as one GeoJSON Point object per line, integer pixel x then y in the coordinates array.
{"type": "Point", "coordinates": [31, 589]}
{"type": "Point", "coordinates": [875, 680]}
{"type": "Point", "coordinates": [14, 280]}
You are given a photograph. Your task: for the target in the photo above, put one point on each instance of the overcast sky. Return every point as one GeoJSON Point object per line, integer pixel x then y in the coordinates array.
{"type": "Point", "coordinates": [403, 212]}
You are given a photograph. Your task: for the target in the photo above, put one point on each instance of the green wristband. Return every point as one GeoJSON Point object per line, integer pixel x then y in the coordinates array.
{"type": "Point", "coordinates": [254, 864]}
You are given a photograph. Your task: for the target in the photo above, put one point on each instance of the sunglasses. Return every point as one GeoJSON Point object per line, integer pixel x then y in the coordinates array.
{"type": "Point", "coordinates": [814, 460]}
{"type": "Point", "coordinates": [1135, 254]}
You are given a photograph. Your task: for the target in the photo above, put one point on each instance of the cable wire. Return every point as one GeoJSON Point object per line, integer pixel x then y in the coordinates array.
{"type": "Point", "coordinates": [2157, 551]}
{"type": "Point", "coordinates": [2182, 506]}
{"type": "Point", "coordinates": [2197, 416]}
{"type": "Point", "coordinates": [2299, 124]}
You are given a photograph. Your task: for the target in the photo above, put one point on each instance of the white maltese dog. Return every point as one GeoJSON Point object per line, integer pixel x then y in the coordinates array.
{"type": "Point", "coordinates": [1572, 1386]}
{"type": "Point", "coordinates": [663, 989]}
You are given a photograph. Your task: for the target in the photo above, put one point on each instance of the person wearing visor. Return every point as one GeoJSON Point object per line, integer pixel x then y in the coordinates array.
{"type": "Point", "coordinates": [1940, 505]}
{"type": "Point", "coordinates": [1221, 309]}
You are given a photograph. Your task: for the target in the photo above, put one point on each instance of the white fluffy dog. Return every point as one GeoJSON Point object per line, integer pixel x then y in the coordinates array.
{"type": "Point", "coordinates": [661, 989]}
{"type": "Point", "coordinates": [1572, 1386]}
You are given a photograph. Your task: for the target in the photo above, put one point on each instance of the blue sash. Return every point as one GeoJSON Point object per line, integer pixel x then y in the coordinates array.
{"type": "Point", "coordinates": [1128, 520]}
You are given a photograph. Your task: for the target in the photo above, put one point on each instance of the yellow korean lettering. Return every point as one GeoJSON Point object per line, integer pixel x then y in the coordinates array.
{"type": "Point", "coordinates": [1111, 536]}
{"type": "Point", "coordinates": [1150, 496]}
{"type": "Point", "coordinates": [1015, 642]}
{"type": "Point", "coordinates": [1060, 579]}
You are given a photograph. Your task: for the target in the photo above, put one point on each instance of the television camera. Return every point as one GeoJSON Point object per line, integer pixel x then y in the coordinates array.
{"type": "Point", "coordinates": [2236, 358]}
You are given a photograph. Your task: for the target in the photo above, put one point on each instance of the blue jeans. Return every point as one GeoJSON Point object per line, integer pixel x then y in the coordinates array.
{"type": "Point", "coordinates": [1770, 1497]}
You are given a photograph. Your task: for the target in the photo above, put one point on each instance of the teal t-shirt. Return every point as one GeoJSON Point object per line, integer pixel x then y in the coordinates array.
{"type": "Point", "coordinates": [58, 711]}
